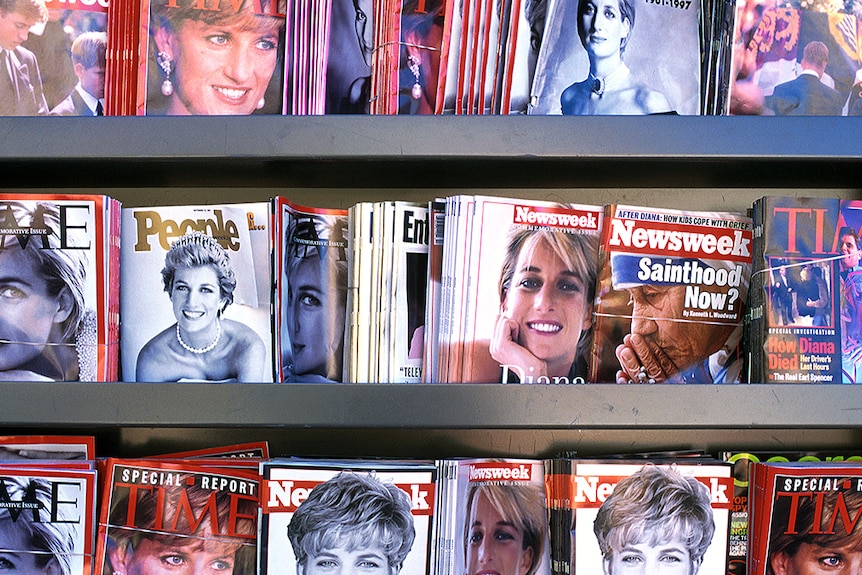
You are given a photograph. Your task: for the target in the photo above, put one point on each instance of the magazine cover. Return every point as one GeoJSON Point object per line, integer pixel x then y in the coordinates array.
{"type": "Point", "coordinates": [252, 450]}
{"type": "Point", "coordinates": [807, 291]}
{"type": "Point", "coordinates": [501, 518]}
{"type": "Point", "coordinates": [56, 253]}
{"type": "Point", "coordinates": [623, 57]}
{"type": "Point", "coordinates": [529, 291]}
{"type": "Point", "coordinates": [357, 516]}
{"type": "Point", "coordinates": [433, 301]}
{"type": "Point", "coordinates": [357, 350]}
{"type": "Point", "coordinates": [673, 287]}
{"type": "Point", "coordinates": [64, 57]}
{"type": "Point", "coordinates": [741, 460]}
{"type": "Point", "coordinates": [796, 59]}
{"type": "Point", "coordinates": [44, 447]}
{"type": "Point", "coordinates": [48, 519]}
{"type": "Point", "coordinates": [195, 286]}
{"type": "Point", "coordinates": [311, 278]}
{"type": "Point", "coordinates": [805, 518]}
{"type": "Point", "coordinates": [649, 514]}
{"type": "Point", "coordinates": [409, 285]}
{"type": "Point", "coordinates": [174, 515]}
{"type": "Point", "coordinates": [205, 57]}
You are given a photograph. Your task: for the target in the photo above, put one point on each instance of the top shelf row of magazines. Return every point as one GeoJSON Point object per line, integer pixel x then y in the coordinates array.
{"type": "Point", "coordinates": [431, 152]}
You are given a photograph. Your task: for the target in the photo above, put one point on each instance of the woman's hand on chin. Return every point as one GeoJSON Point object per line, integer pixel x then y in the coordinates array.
{"type": "Point", "coordinates": [506, 350]}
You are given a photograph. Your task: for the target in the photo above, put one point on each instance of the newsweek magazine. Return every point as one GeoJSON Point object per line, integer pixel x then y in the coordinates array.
{"type": "Point", "coordinates": [196, 287]}
{"type": "Point", "coordinates": [177, 509]}
{"type": "Point", "coordinates": [806, 291]}
{"type": "Point", "coordinates": [486, 493]}
{"type": "Point", "coordinates": [742, 460]}
{"type": "Point", "coordinates": [359, 501]}
{"type": "Point", "coordinates": [528, 272]}
{"type": "Point", "coordinates": [657, 68]}
{"type": "Point", "coordinates": [206, 57]}
{"type": "Point", "coordinates": [768, 59]}
{"type": "Point", "coordinates": [74, 237]}
{"type": "Point", "coordinates": [311, 279]}
{"type": "Point", "coordinates": [624, 505]}
{"type": "Point", "coordinates": [671, 299]}
{"type": "Point", "coordinates": [804, 514]}
{"type": "Point", "coordinates": [48, 518]}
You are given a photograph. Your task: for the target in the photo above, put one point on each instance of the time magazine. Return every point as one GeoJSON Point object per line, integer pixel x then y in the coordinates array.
{"type": "Point", "coordinates": [672, 293]}
{"type": "Point", "coordinates": [804, 515]}
{"type": "Point", "coordinates": [196, 293]}
{"type": "Point", "coordinates": [621, 509]}
{"type": "Point", "coordinates": [357, 502]}
{"type": "Point", "coordinates": [191, 510]}
{"type": "Point", "coordinates": [59, 258]}
{"type": "Point", "coordinates": [311, 282]}
{"type": "Point", "coordinates": [48, 517]}
{"type": "Point", "coordinates": [806, 291]}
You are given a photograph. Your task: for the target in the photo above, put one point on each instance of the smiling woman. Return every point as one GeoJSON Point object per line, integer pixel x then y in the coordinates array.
{"type": "Point", "coordinates": [215, 61]}
{"type": "Point", "coordinates": [201, 345]}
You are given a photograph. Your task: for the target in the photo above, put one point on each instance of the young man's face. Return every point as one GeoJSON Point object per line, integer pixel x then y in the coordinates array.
{"type": "Point", "coordinates": [14, 29]}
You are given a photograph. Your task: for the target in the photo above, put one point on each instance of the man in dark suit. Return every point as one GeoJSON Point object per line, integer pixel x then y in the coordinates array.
{"type": "Point", "coordinates": [88, 61]}
{"type": "Point", "coordinates": [806, 95]}
{"type": "Point", "coordinates": [20, 82]}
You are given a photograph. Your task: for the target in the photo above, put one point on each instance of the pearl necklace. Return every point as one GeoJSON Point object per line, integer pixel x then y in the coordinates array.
{"type": "Point", "coordinates": [200, 350]}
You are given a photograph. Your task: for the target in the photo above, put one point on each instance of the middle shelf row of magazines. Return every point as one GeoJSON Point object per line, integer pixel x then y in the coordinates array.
{"type": "Point", "coordinates": [474, 289]}
{"type": "Point", "coordinates": [237, 511]}
{"type": "Point", "coordinates": [578, 57]}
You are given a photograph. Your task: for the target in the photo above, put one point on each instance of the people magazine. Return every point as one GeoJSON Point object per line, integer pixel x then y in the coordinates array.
{"type": "Point", "coordinates": [173, 255]}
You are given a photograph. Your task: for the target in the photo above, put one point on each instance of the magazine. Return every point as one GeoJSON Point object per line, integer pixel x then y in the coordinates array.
{"type": "Point", "coordinates": [15, 448]}
{"type": "Point", "coordinates": [431, 352]}
{"type": "Point", "coordinates": [182, 510]}
{"type": "Point", "coordinates": [311, 280]}
{"type": "Point", "coordinates": [657, 68]}
{"type": "Point", "coordinates": [603, 532]}
{"type": "Point", "coordinates": [359, 501]}
{"type": "Point", "coordinates": [64, 329]}
{"type": "Point", "coordinates": [252, 450]}
{"type": "Point", "coordinates": [196, 300]}
{"type": "Point", "coordinates": [804, 514]}
{"type": "Point", "coordinates": [741, 460]}
{"type": "Point", "coordinates": [48, 518]}
{"type": "Point", "coordinates": [483, 502]}
{"type": "Point", "coordinates": [517, 254]}
{"type": "Point", "coordinates": [673, 287]}
{"type": "Point", "coordinates": [796, 59]}
{"type": "Point", "coordinates": [806, 291]}
{"type": "Point", "coordinates": [204, 57]}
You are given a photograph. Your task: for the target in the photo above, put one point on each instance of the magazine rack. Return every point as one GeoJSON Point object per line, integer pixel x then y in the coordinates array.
{"type": "Point", "coordinates": [680, 162]}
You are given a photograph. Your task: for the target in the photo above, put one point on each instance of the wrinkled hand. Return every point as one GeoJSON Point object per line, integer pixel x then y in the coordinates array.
{"type": "Point", "coordinates": [642, 361]}
{"type": "Point", "coordinates": [506, 350]}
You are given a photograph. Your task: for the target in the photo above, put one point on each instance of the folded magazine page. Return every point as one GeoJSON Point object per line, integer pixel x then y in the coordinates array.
{"type": "Point", "coordinates": [311, 279]}
{"type": "Point", "coordinates": [210, 58]}
{"type": "Point", "coordinates": [649, 514]}
{"type": "Point", "coordinates": [623, 57]}
{"type": "Point", "coordinates": [796, 59]}
{"type": "Point", "coordinates": [196, 303]}
{"type": "Point", "coordinates": [671, 299]}
{"type": "Point", "coordinates": [47, 447]}
{"type": "Point", "coordinates": [48, 519]}
{"type": "Point", "coordinates": [529, 281]}
{"type": "Point", "coordinates": [501, 518]}
{"type": "Point", "coordinates": [805, 518]}
{"type": "Point", "coordinates": [57, 253]}
{"type": "Point", "coordinates": [169, 515]}
{"type": "Point", "coordinates": [351, 516]}
{"type": "Point", "coordinates": [806, 291]}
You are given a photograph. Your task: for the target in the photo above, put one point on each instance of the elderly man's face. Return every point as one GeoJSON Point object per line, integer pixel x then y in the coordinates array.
{"type": "Point", "coordinates": [655, 314]}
